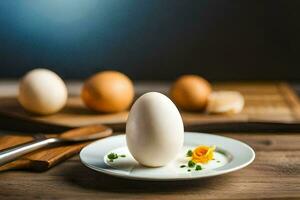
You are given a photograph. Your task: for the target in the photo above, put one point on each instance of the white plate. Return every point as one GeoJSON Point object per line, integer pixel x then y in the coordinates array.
{"type": "Point", "coordinates": [230, 155]}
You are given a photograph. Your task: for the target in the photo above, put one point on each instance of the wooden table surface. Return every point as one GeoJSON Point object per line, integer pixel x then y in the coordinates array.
{"type": "Point", "coordinates": [275, 174]}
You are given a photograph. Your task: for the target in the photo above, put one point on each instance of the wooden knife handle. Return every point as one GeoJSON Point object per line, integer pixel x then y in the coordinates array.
{"type": "Point", "coordinates": [41, 160]}
{"type": "Point", "coordinates": [97, 131]}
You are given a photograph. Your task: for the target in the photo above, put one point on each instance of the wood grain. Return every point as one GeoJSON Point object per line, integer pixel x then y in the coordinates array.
{"type": "Point", "coordinates": [46, 158]}
{"type": "Point", "coordinates": [275, 174]}
{"type": "Point", "coordinates": [273, 103]}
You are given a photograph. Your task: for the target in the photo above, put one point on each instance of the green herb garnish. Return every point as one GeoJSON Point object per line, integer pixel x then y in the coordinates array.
{"type": "Point", "coordinates": [112, 156]}
{"type": "Point", "coordinates": [222, 152]}
{"type": "Point", "coordinates": [182, 166]}
{"type": "Point", "coordinates": [189, 153]}
{"type": "Point", "coordinates": [218, 161]}
{"type": "Point", "coordinates": [188, 170]}
{"type": "Point", "coordinates": [198, 167]}
{"type": "Point", "coordinates": [191, 164]}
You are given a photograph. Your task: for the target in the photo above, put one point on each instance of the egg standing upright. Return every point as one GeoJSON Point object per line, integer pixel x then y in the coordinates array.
{"type": "Point", "coordinates": [154, 130]}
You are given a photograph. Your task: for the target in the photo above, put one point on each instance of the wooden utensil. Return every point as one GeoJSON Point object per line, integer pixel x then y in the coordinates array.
{"type": "Point", "coordinates": [72, 136]}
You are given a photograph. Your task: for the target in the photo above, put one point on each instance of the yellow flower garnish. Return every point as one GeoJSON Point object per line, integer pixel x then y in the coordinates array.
{"type": "Point", "coordinates": [203, 154]}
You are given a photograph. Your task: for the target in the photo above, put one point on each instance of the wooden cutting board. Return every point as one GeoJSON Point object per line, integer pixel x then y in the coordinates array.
{"type": "Point", "coordinates": [265, 104]}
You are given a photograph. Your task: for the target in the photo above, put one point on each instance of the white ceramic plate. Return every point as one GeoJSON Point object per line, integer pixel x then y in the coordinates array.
{"type": "Point", "coordinates": [230, 155]}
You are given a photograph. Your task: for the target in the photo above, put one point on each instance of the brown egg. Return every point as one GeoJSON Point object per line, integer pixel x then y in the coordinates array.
{"type": "Point", "coordinates": [190, 92]}
{"type": "Point", "coordinates": [108, 91]}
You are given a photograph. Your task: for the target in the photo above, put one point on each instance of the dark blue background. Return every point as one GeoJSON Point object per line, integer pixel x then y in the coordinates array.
{"type": "Point", "coordinates": [152, 39]}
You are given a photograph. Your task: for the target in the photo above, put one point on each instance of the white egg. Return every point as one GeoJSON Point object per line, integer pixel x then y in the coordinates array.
{"type": "Point", "coordinates": [42, 91]}
{"type": "Point", "coordinates": [154, 130]}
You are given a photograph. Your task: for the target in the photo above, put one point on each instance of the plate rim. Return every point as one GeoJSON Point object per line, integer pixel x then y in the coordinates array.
{"type": "Point", "coordinates": [216, 173]}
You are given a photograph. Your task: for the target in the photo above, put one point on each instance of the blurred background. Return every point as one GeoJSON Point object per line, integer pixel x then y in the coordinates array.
{"type": "Point", "coordinates": [152, 40]}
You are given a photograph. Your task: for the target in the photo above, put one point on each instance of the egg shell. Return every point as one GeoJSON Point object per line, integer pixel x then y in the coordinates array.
{"type": "Point", "coordinates": [108, 92]}
{"type": "Point", "coordinates": [42, 91]}
{"type": "Point", "coordinates": [154, 130]}
{"type": "Point", "coordinates": [190, 92]}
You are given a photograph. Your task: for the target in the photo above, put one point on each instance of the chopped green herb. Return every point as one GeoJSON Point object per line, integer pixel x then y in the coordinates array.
{"type": "Point", "coordinates": [188, 170]}
{"type": "Point", "coordinates": [218, 161]}
{"type": "Point", "coordinates": [112, 156]}
{"type": "Point", "coordinates": [221, 152]}
{"type": "Point", "coordinates": [198, 167]}
{"type": "Point", "coordinates": [189, 153]}
{"type": "Point", "coordinates": [182, 166]}
{"type": "Point", "coordinates": [191, 164]}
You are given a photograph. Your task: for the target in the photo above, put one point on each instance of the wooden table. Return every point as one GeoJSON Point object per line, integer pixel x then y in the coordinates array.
{"type": "Point", "coordinates": [275, 174]}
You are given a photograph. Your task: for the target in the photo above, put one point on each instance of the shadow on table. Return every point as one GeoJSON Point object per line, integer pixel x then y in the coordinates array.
{"type": "Point", "coordinates": [81, 176]}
